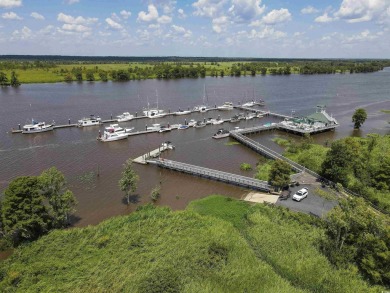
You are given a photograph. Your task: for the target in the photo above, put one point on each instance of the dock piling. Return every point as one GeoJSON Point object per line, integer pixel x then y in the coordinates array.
{"type": "Point", "coordinates": [19, 126]}
{"type": "Point", "coordinates": [69, 121]}
{"type": "Point", "coordinates": [136, 114]}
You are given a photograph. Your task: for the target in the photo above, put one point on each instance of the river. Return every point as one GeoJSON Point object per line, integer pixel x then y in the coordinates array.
{"type": "Point", "coordinates": [78, 155]}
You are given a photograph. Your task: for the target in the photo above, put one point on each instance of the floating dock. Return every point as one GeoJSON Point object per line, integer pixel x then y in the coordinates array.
{"type": "Point", "coordinates": [152, 154]}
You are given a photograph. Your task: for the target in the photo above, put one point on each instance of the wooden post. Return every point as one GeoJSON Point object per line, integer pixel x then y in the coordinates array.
{"type": "Point", "coordinates": [98, 171]}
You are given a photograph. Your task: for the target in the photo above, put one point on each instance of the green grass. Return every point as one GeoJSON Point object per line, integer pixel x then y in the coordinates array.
{"type": "Point", "coordinates": [263, 169]}
{"type": "Point", "coordinates": [281, 141]}
{"type": "Point", "coordinates": [154, 250]}
{"type": "Point", "coordinates": [386, 111]}
{"type": "Point", "coordinates": [230, 143]}
{"type": "Point", "coordinates": [287, 241]}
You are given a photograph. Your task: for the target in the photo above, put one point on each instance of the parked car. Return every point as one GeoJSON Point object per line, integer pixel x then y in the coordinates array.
{"type": "Point", "coordinates": [300, 194]}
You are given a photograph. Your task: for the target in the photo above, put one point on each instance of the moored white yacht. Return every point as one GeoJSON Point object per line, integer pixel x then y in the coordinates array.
{"type": "Point", "coordinates": [200, 124]}
{"type": "Point", "coordinates": [126, 116]}
{"type": "Point", "coordinates": [154, 112]}
{"type": "Point", "coordinates": [203, 108]}
{"type": "Point", "coordinates": [89, 121]}
{"type": "Point", "coordinates": [154, 127]}
{"type": "Point", "coordinates": [182, 112]}
{"type": "Point", "coordinates": [226, 106]}
{"type": "Point", "coordinates": [114, 132]}
{"type": "Point", "coordinates": [249, 104]}
{"type": "Point", "coordinates": [36, 127]}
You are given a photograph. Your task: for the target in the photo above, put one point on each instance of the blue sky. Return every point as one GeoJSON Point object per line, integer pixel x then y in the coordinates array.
{"type": "Point", "coordinates": [224, 28]}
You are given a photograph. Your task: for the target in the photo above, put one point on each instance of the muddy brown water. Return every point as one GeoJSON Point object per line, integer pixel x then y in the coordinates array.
{"type": "Point", "coordinates": [78, 155]}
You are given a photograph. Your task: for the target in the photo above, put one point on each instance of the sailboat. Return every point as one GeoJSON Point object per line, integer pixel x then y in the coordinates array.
{"type": "Point", "coordinates": [154, 112]}
{"type": "Point", "coordinates": [202, 108]}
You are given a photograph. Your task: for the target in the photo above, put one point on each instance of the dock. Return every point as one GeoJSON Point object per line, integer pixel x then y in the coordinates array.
{"type": "Point", "coordinates": [265, 113]}
{"type": "Point", "coordinates": [211, 174]}
{"type": "Point", "coordinates": [153, 154]}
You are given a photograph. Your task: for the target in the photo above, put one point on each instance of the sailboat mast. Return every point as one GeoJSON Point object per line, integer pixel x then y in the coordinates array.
{"type": "Point", "coordinates": [157, 98]}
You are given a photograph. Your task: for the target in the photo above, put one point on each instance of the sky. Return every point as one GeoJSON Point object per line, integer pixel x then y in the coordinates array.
{"type": "Point", "coordinates": [221, 28]}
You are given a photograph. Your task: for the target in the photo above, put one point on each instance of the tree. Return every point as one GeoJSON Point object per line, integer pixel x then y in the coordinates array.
{"type": "Point", "coordinates": [359, 117]}
{"type": "Point", "coordinates": [279, 174]}
{"type": "Point", "coordinates": [14, 79]}
{"type": "Point", "coordinates": [155, 193]}
{"type": "Point", "coordinates": [61, 200]}
{"type": "Point", "coordinates": [103, 76]}
{"type": "Point", "coordinates": [3, 79]}
{"type": "Point", "coordinates": [89, 75]}
{"type": "Point", "coordinates": [128, 182]}
{"type": "Point", "coordinates": [68, 77]}
{"type": "Point", "coordinates": [24, 215]}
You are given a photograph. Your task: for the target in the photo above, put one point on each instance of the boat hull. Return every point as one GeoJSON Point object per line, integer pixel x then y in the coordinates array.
{"type": "Point", "coordinates": [38, 130]}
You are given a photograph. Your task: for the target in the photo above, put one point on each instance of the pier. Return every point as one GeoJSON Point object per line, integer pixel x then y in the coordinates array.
{"type": "Point", "coordinates": [265, 113]}
{"type": "Point", "coordinates": [153, 154]}
{"type": "Point", "coordinates": [229, 178]}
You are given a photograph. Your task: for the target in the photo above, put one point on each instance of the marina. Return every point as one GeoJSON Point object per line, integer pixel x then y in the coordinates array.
{"type": "Point", "coordinates": [77, 154]}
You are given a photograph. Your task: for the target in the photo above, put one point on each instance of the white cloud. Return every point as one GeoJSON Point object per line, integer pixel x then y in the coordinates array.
{"type": "Point", "coordinates": [181, 31]}
{"type": "Point", "coordinates": [47, 30]}
{"type": "Point", "coordinates": [169, 7]}
{"type": "Point", "coordinates": [277, 16]}
{"type": "Point", "coordinates": [76, 20]}
{"type": "Point", "coordinates": [164, 19]}
{"type": "Point", "coordinates": [365, 35]}
{"type": "Point", "coordinates": [309, 10]}
{"type": "Point", "coordinates": [37, 16]}
{"type": "Point", "coordinates": [10, 3]}
{"type": "Point", "coordinates": [24, 34]}
{"type": "Point", "coordinates": [361, 10]}
{"type": "Point", "coordinates": [79, 28]}
{"type": "Point", "coordinates": [246, 10]}
{"type": "Point", "coordinates": [324, 18]}
{"type": "Point", "coordinates": [181, 13]}
{"type": "Point", "coordinates": [154, 25]}
{"type": "Point", "coordinates": [208, 8]}
{"type": "Point", "coordinates": [270, 32]}
{"type": "Point", "coordinates": [151, 15]}
{"type": "Point", "coordinates": [114, 25]}
{"type": "Point", "coordinates": [125, 14]}
{"type": "Point", "coordinates": [70, 2]}
{"type": "Point", "coordinates": [220, 24]}
{"type": "Point", "coordinates": [104, 34]}
{"type": "Point", "coordinates": [11, 16]}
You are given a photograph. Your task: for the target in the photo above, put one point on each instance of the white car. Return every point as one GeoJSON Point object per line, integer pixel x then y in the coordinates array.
{"type": "Point", "coordinates": [300, 194]}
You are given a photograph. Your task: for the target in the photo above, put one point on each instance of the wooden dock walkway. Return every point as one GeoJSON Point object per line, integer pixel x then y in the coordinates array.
{"type": "Point", "coordinates": [265, 113]}
{"type": "Point", "coordinates": [229, 178]}
{"type": "Point", "coordinates": [152, 154]}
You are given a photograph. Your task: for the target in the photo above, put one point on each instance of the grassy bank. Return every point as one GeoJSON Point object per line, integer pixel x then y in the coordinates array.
{"type": "Point", "coordinates": [216, 245]}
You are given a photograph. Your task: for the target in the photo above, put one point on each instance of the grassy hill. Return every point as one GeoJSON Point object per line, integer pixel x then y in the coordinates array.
{"type": "Point", "coordinates": [216, 245]}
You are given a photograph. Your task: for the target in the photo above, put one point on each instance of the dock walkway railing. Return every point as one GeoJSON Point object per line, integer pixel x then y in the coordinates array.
{"type": "Point", "coordinates": [213, 174]}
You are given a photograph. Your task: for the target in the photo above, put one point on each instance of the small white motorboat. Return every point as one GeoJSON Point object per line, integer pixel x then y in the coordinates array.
{"type": "Point", "coordinates": [250, 116]}
{"type": "Point", "coordinates": [249, 104]}
{"type": "Point", "coordinates": [37, 127]}
{"type": "Point", "coordinates": [155, 127]}
{"type": "Point", "coordinates": [168, 145]}
{"type": "Point", "coordinates": [182, 127]}
{"type": "Point", "coordinates": [126, 116]}
{"type": "Point", "coordinates": [89, 121]}
{"type": "Point", "coordinates": [192, 122]}
{"type": "Point", "coordinates": [200, 124]}
{"type": "Point", "coordinates": [226, 106]}
{"type": "Point", "coordinates": [221, 133]}
{"type": "Point", "coordinates": [182, 112]}
{"type": "Point", "coordinates": [164, 128]}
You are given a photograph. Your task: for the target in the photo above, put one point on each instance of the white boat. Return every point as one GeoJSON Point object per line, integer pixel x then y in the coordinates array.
{"type": "Point", "coordinates": [126, 116]}
{"type": "Point", "coordinates": [221, 133]}
{"type": "Point", "coordinates": [175, 126]}
{"type": "Point", "coordinates": [155, 127]}
{"type": "Point", "coordinates": [226, 106]}
{"type": "Point", "coordinates": [234, 119]}
{"type": "Point", "coordinates": [37, 127]}
{"type": "Point", "coordinates": [182, 127]}
{"type": "Point", "coordinates": [200, 124]}
{"type": "Point", "coordinates": [203, 108]}
{"type": "Point", "coordinates": [249, 104]}
{"type": "Point", "coordinates": [217, 121]}
{"type": "Point", "coordinates": [89, 121]}
{"type": "Point", "coordinates": [154, 112]}
{"type": "Point", "coordinates": [168, 145]}
{"type": "Point", "coordinates": [182, 112]}
{"type": "Point", "coordinates": [165, 128]}
{"type": "Point", "coordinates": [250, 116]}
{"type": "Point", "coordinates": [192, 122]}
{"type": "Point", "coordinates": [114, 132]}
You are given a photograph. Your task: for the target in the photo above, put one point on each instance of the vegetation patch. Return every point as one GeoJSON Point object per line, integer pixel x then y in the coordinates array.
{"type": "Point", "coordinates": [245, 167]}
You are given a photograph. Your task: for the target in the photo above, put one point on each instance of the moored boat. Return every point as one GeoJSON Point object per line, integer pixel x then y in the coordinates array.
{"type": "Point", "coordinates": [114, 132]}
{"type": "Point", "coordinates": [89, 121]}
{"type": "Point", "coordinates": [182, 112]}
{"type": "Point", "coordinates": [200, 124]}
{"type": "Point", "coordinates": [155, 127]}
{"type": "Point", "coordinates": [182, 127]}
{"type": "Point", "coordinates": [126, 116]}
{"type": "Point", "coordinates": [226, 106]}
{"type": "Point", "coordinates": [37, 127]}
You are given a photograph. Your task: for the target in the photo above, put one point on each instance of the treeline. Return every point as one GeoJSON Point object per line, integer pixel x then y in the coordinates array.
{"type": "Point", "coordinates": [13, 81]}
{"type": "Point", "coordinates": [33, 205]}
